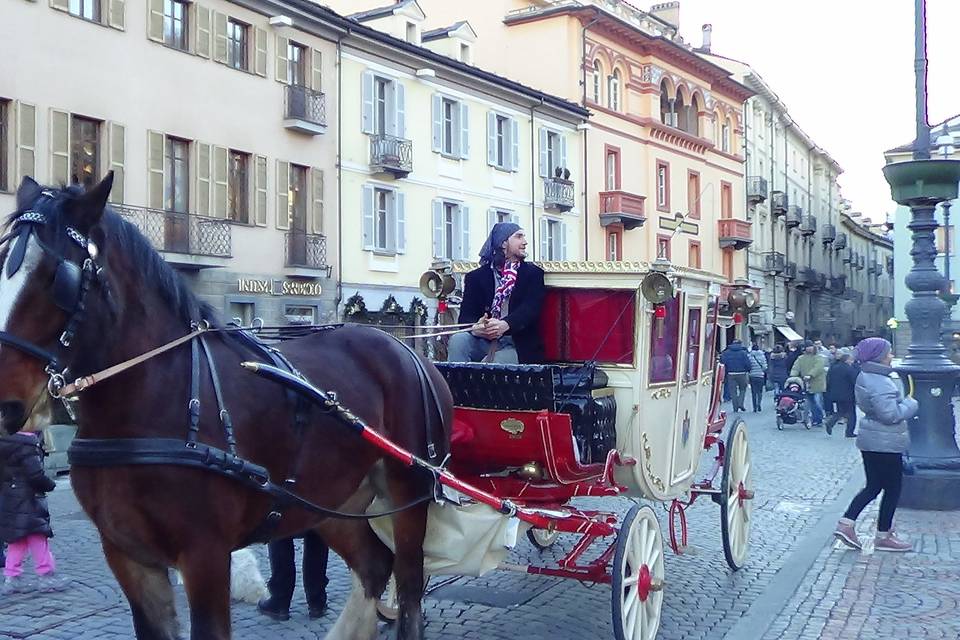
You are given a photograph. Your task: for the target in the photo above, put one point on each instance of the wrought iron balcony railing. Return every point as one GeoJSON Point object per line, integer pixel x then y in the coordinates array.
{"type": "Point", "coordinates": [305, 250]}
{"type": "Point", "coordinates": [790, 271]}
{"type": "Point", "coordinates": [828, 234]}
{"type": "Point", "coordinates": [808, 225]}
{"type": "Point", "coordinates": [558, 194]}
{"type": "Point", "coordinates": [774, 262]}
{"type": "Point", "coordinates": [849, 255]}
{"type": "Point", "coordinates": [174, 232]}
{"type": "Point", "coordinates": [305, 110]}
{"type": "Point", "coordinates": [841, 241]}
{"type": "Point", "coordinates": [622, 207]}
{"type": "Point", "coordinates": [794, 216]}
{"type": "Point", "coordinates": [756, 189]}
{"type": "Point", "coordinates": [779, 202]}
{"type": "Point", "coordinates": [389, 154]}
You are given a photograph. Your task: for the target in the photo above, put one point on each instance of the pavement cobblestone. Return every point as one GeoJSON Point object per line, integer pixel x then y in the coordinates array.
{"type": "Point", "coordinates": [799, 474]}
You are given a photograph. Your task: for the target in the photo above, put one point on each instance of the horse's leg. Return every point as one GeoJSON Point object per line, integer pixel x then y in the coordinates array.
{"type": "Point", "coordinates": [370, 562]}
{"type": "Point", "coordinates": [409, 527]}
{"type": "Point", "coordinates": [206, 578]}
{"type": "Point", "coordinates": [149, 592]}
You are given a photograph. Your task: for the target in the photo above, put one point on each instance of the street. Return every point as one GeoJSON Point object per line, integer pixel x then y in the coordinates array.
{"type": "Point", "coordinates": [797, 584]}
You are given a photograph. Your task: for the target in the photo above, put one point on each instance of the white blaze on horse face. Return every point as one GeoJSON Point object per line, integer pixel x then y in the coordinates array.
{"type": "Point", "coordinates": [12, 288]}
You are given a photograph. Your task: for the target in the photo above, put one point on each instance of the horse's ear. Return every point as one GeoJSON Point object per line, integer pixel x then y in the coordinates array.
{"type": "Point", "coordinates": [28, 191]}
{"type": "Point", "coordinates": [88, 208]}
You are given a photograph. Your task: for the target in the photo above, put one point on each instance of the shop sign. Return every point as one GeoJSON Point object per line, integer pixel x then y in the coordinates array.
{"type": "Point", "coordinates": [279, 287]}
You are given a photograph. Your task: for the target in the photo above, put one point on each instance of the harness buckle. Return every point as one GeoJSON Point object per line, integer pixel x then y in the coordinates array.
{"type": "Point", "coordinates": [66, 338]}
{"type": "Point", "coordinates": [55, 384]}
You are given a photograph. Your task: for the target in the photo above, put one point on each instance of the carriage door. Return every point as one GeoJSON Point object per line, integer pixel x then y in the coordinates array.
{"type": "Point", "coordinates": [690, 423]}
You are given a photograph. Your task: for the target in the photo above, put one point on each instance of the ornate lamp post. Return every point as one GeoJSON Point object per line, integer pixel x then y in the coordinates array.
{"type": "Point", "coordinates": [932, 464]}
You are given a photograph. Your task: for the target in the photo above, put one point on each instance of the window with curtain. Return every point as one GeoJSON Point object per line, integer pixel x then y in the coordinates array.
{"type": "Point", "coordinates": [664, 340]}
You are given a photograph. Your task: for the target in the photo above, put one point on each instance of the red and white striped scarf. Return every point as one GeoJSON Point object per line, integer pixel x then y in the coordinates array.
{"type": "Point", "coordinates": [508, 279]}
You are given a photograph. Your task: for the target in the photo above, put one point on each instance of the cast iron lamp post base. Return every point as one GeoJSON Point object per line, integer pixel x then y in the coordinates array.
{"type": "Point", "coordinates": [932, 463]}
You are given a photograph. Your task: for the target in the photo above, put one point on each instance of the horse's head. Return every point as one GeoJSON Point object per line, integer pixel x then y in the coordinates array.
{"type": "Point", "coordinates": [49, 286]}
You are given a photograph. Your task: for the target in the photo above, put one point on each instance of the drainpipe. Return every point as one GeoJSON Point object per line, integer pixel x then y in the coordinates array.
{"type": "Point", "coordinates": [583, 102]}
{"type": "Point", "coordinates": [773, 219]}
{"type": "Point", "coordinates": [786, 190]}
{"type": "Point", "coordinates": [339, 297]}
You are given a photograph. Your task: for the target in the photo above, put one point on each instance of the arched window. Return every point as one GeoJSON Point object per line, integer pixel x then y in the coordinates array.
{"type": "Point", "coordinates": [681, 113]}
{"type": "Point", "coordinates": [666, 111]}
{"type": "Point", "coordinates": [597, 75]}
{"type": "Point", "coordinates": [696, 106]}
{"type": "Point", "coordinates": [726, 136]}
{"type": "Point", "coordinates": [613, 90]}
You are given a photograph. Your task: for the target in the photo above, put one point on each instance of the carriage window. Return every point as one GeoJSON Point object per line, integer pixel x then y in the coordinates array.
{"type": "Point", "coordinates": [710, 335]}
{"type": "Point", "coordinates": [589, 324]}
{"type": "Point", "coordinates": [691, 365]}
{"type": "Point", "coordinates": [664, 339]}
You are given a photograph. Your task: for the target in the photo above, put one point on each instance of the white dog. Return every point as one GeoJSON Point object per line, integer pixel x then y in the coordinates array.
{"type": "Point", "coordinates": [246, 581]}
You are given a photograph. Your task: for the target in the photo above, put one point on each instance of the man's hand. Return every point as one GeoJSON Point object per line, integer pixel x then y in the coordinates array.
{"type": "Point", "coordinates": [496, 329]}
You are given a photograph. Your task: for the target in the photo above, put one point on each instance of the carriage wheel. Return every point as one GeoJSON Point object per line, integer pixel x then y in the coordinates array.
{"type": "Point", "coordinates": [542, 538]}
{"type": "Point", "coordinates": [637, 579]}
{"type": "Point", "coordinates": [388, 607]}
{"type": "Point", "coordinates": [737, 491]}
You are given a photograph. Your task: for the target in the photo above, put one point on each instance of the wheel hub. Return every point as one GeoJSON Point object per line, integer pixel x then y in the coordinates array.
{"type": "Point", "coordinates": [743, 494]}
{"type": "Point", "coordinates": [644, 582]}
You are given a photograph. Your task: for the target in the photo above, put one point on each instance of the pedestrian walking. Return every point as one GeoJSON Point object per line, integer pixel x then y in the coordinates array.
{"type": "Point", "coordinates": [809, 366]}
{"type": "Point", "coordinates": [778, 370]}
{"type": "Point", "coordinates": [736, 364]}
{"type": "Point", "coordinates": [758, 372]}
{"type": "Point", "coordinates": [793, 352]}
{"type": "Point", "coordinates": [283, 577]}
{"type": "Point", "coordinates": [24, 516]}
{"type": "Point", "coordinates": [841, 381]}
{"type": "Point", "coordinates": [882, 439]}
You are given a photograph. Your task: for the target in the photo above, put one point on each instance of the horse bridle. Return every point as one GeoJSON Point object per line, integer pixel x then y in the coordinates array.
{"type": "Point", "coordinates": [70, 287]}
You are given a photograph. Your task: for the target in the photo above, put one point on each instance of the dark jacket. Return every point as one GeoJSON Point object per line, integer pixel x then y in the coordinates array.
{"type": "Point", "coordinates": [23, 505]}
{"type": "Point", "coordinates": [841, 381]}
{"type": "Point", "coordinates": [792, 357]}
{"type": "Point", "coordinates": [523, 311]}
{"type": "Point", "coordinates": [735, 359]}
{"type": "Point", "coordinates": [778, 371]}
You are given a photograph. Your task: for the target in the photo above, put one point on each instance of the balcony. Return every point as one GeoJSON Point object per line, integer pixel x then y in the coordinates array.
{"type": "Point", "coordinates": [756, 189]}
{"type": "Point", "coordinates": [621, 207]}
{"type": "Point", "coordinates": [778, 202]}
{"type": "Point", "coordinates": [872, 298]}
{"type": "Point", "coordinates": [838, 284]}
{"type": "Point", "coordinates": [558, 194]}
{"type": "Point", "coordinates": [773, 262]}
{"type": "Point", "coordinates": [305, 251]}
{"type": "Point", "coordinates": [389, 154]}
{"type": "Point", "coordinates": [828, 234]}
{"type": "Point", "coordinates": [794, 216]}
{"type": "Point", "coordinates": [807, 278]}
{"type": "Point", "coordinates": [840, 242]}
{"type": "Point", "coordinates": [808, 225]}
{"type": "Point", "coordinates": [305, 110]}
{"type": "Point", "coordinates": [194, 237]}
{"type": "Point", "coordinates": [848, 257]}
{"type": "Point", "coordinates": [734, 233]}
{"type": "Point", "coordinates": [790, 271]}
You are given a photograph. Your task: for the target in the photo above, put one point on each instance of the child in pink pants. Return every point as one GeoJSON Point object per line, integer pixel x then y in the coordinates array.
{"type": "Point", "coordinates": [24, 517]}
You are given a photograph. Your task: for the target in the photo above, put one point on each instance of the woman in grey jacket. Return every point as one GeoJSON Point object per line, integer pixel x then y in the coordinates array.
{"type": "Point", "coordinates": [882, 439]}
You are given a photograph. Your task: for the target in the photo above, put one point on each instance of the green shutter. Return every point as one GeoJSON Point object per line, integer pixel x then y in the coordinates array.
{"type": "Point", "coordinates": [220, 37]}
{"type": "Point", "coordinates": [59, 147]}
{"type": "Point", "coordinates": [26, 123]}
{"type": "Point", "coordinates": [204, 188]}
{"type": "Point", "coordinates": [117, 149]}
{"type": "Point", "coordinates": [283, 69]}
{"type": "Point", "coordinates": [283, 195]}
{"type": "Point", "coordinates": [155, 142]}
{"type": "Point", "coordinates": [115, 14]}
{"type": "Point", "coordinates": [260, 191]}
{"type": "Point", "coordinates": [201, 39]}
{"type": "Point", "coordinates": [155, 20]}
{"type": "Point", "coordinates": [221, 172]}
{"type": "Point", "coordinates": [316, 193]}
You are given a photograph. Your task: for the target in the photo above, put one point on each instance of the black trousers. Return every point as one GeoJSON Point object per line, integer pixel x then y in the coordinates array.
{"type": "Point", "coordinates": [884, 473]}
{"type": "Point", "coordinates": [756, 392]}
{"type": "Point", "coordinates": [283, 570]}
{"type": "Point", "coordinates": [845, 409]}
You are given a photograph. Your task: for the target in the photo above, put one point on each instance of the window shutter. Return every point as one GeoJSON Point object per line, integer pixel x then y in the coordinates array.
{"type": "Point", "coordinates": [59, 147]}
{"type": "Point", "coordinates": [283, 195]}
{"type": "Point", "coordinates": [260, 45]}
{"type": "Point", "coordinates": [117, 147]}
{"type": "Point", "coordinates": [366, 120]}
{"type": "Point", "coordinates": [438, 229]}
{"type": "Point", "coordinates": [115, 11]}
{"type": "Point", "coordinates": [260, 191]}
{"type": "Point", "coordinates": [155, 170]}
{"type": "Point", "coordinates": [202, 36]}
{"type": "Point", "coordinates": [464, 232]}
{"type": "Point", "coordinates": [62, 5]}
{"type": "Point", "coordinates": [563, 241]}
{"type": "Point", "coordinates": [316, 191]}
{"type": "Point", "coordinates": [464, 131]}
{"type": "Point", "coordinates": [544, 157]}
{"type": "Point", "coordinates": [283, 68]}
{"type": "Point", "coordinates": [204, 183]}
{"type": "Point", "coordinates": [367, 226]}
{"type": "Point", "coordinates": [491, 218]}
{"type": "Point", "coordinates": [563, 152]}
{"type": "Point", "coordinates": [316, 66]}
{"type": "Point", "coordinates": [491, 138]}
{"type": "Point", "coordinates": [436, 113]}
{"type": "Point", "coordinates": [220, 37]}
{"type": "Point", "coordinates": [26, 124]}
{"type": "Point", "coordinates": [544, 240]}
{"type": "Point", "coordinates": [515, 144]}
{"type": "Point", "coordinates": [155, 21]}
{"type": "Point", "coordinates": [401, 211]}
{"type": "Point", "coordinates": [221, 173]}
{"type": "Point", "coordinates": [400, 109]}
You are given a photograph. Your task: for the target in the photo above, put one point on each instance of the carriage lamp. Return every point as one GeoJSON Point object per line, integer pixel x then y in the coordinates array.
{"type": "Point", "coordinates": [659, 314]}
{"type": "Point", "coordinates": [531, 471]}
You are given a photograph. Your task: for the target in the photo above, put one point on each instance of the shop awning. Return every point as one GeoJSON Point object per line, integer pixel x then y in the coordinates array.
{"type": "Point", "coordinates": [790, 334]}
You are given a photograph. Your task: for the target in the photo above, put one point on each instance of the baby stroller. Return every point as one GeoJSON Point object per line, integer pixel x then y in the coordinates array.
{"type": "Point", "coordinates": [792, 404]}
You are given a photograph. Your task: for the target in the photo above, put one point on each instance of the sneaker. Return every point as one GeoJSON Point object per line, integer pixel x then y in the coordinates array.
{"type": "Point", "coordinates": [50, 583]}
{"type": "Point", "coordinates": [847, 534]}
{"type": "Point", "coordinates": [269, 608]}
{"type": "Point", "coordinates": [889, 542]}
{"type": "Point", "coordinates": [12, 585]}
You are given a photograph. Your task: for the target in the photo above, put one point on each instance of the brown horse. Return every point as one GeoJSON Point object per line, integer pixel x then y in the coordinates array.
{"type": "Point", "coordinates": [159, 516]}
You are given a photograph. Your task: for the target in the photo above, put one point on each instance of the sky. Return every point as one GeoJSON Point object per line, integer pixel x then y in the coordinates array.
{"type": "Point", "coordinates": [845, 70]}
